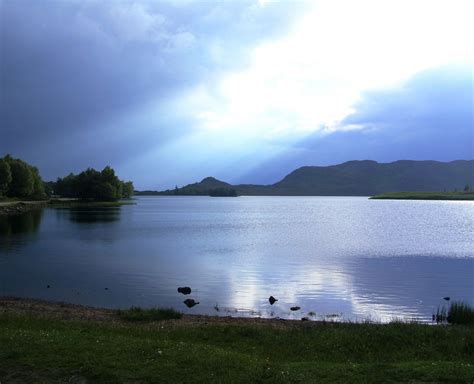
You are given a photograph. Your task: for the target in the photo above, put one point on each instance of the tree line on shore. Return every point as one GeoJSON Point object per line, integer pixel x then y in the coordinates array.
{"type": "Point", "coordinates": [19, 179]}
{"type": "Point", "coordinates": [92, 184]}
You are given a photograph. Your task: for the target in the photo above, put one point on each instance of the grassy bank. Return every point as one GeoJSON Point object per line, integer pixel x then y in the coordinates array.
{"type": "Point", "coordinates": [54, 343]}
{"type": "Point", "coordinates": [14, 207]}
{"type": "Point", "coordinates": [18, 207]}
{"type": "Point", "coordinates": [426, 196]}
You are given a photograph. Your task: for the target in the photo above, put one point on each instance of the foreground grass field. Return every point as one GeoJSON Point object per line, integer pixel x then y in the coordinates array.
{"type": "Point", "coordinates": [425, 196]}
{"type": "Point", "coordinates": [60, 346]}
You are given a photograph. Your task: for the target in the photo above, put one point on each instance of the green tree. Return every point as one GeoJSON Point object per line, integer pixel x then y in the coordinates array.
{"type": "Point", "coordinates": [49, 188]}
{"type": "Point", "coordinates": [22, 184]}
{"type": "Point", "coordinates": [5, 177]}
{"type": "Point", "coordinates": [87, 184]}
{"type": "Point", "coordinates": [127, 189]}
{"type": "Point", "coordinates": [114, 187]}
{"type": "Point", "coordinates": [105, 191]}
{"type": "Point", "coordinates": [66, 186]}
{"type": "Point", "coordinates": [19, 179]}
{"type": "Point", "coordinates": [92, 184]}
{"type": "Point", "coordinates": [38, 185]}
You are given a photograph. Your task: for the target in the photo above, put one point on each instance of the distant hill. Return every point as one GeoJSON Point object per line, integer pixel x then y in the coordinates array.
{"type": "Point", "coordinates": [209, 186]}
{"type": "Point", "coordinates": [365, 178]}
{"type": "Point", "coordinates": [353, 178]}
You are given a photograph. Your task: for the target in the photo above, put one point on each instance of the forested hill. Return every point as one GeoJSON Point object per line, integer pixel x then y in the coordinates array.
{"type": "Point", "coordinates": [353, 178]}
{"type": "Point", "coordinates": [366, 178]}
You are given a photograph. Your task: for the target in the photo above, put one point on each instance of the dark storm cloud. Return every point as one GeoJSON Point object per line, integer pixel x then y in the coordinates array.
{"type": "Point", "coordinates": [77, 77]}
{"type": "Point", "coordinates": [61, 66]}
{"type": "Point", "coordinates": [431, 116]}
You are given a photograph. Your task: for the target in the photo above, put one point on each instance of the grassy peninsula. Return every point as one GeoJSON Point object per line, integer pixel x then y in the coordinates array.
{"type": "Point", "coordinates": [426, 196]}
{"type": "Point", "coordinates": [53, 343]}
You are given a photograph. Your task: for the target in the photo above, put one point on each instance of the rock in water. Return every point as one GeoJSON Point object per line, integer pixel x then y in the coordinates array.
{"type": "Point", "coordinates": [190, 303]}
{"type": "Point", "coordinates": [295, 308]}
{"type": "Point", "coordinates": [447, 298]}
{"type": "Point", "coordinates": [272, 300]}
{"type": "Point", "coordinates": [184, 290]}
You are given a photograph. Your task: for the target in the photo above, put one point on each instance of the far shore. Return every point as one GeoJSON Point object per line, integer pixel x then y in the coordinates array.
{"type": "Point", "coordinates": [425, 196]}
{"type": "Point", "coordinates": [17, 206]}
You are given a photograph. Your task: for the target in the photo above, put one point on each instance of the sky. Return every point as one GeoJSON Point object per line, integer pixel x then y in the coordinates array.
{"type": "Point", "coordinates": [168, 93]}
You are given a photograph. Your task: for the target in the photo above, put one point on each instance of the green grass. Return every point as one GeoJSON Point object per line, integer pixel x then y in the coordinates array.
{"type": "Point", "coordinates": [460, 313]}
{"type": "Point", "coordinates": [152, 314]}
{"type": "Point", "coordinates": [4, 199]}
{"type": "Point", "coordinates": [457, 313]}
{"type": "Point", "coordinates": [426, 196]}
{"type": "Point", "coordinates": [7, 199]}
{"type": "Point", "coordinates": [45, 350]}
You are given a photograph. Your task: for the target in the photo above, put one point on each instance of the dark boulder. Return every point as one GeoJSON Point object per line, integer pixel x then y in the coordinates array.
{"type": "Point", "coordinates": [272, 300]}
{"type": "Point", "coordinates": [184, 290]}
{"type": "Point", "coordinates": [190, 303]}
{"type": "Point", "coordinates": [295, 308]}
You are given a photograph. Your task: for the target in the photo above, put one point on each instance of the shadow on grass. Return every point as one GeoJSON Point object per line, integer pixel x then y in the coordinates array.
{"type": "Point", "coordinates": [152, 314]}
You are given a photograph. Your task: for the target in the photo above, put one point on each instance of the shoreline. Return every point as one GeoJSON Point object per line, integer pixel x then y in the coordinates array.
{"type": "Point", "coordinates": [50, 342]}
{"type": "Point", "coordinates": [8, 208]}
{"type": "Point", "coordinates": [436, 196]}
{"type": "Point", "coordinates": [75, 312]}
{"type": "Point", "coordinates": [19, 207]}
{"type": "Point", "coordinates": [61, 310]}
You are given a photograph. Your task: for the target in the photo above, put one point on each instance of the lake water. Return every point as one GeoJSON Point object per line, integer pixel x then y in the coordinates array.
{"type": "Point", "coordinates": [339, 257]}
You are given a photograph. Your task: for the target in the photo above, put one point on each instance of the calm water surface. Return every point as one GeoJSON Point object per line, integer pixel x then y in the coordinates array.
{"type": "Point", "coordinates": [339, 257]}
